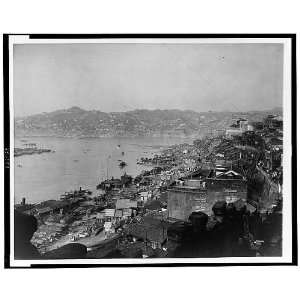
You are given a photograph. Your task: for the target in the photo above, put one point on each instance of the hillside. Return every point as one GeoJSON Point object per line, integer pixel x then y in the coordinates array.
{"type": "Point", "coordinates": [77, 122]}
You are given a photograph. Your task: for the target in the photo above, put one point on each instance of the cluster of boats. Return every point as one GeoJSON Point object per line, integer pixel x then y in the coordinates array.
{"type": "Point", "coordinates": [122, 164]}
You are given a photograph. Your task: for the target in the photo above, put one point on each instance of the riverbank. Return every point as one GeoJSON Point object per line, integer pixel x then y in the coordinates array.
{"type": "Point", "coordinates": [80, 162]}
{"type": "Point", "coordinates": [139, 207]}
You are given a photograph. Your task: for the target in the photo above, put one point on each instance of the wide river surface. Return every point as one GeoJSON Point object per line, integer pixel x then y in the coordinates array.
{"type": "Point", "coordinates": [79, 163]}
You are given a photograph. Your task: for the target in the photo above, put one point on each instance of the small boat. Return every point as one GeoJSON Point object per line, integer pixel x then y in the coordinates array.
{"type": "Point", "coordinates": [122, 164]}
{"type": "Point", "coordinates": [123, 153]}
{"type": "Point", "coordinates": [75, 160]}
{"type": "Point", "coordinates": [19, 166]}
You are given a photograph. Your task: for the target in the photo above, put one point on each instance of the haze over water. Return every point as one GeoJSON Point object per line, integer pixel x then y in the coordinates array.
{"type": "Point", "coordinates": [79, 163]}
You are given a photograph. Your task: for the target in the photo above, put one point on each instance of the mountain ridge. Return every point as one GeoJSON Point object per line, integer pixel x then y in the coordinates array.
{"type": "Point", "coordinates": [78, 122]}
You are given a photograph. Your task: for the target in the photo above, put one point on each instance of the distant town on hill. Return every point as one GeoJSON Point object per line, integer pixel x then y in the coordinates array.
{"type": "Point", "coordinates": [77, 122]}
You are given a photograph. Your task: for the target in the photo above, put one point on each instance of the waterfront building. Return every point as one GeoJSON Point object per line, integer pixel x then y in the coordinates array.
{"type": "Point", "coordinates": [24, 207]}
{"type": "Point", "coordinates": [125, 203]}
{"type": "Point", "coordinates": [110, 184]}
{"type": "Point", "coordinates": [124, 208]}
{"type": "Point", "coordinates": [273, 121]}
{"type": "Point", "coordinates": [238, 128]}
{"type": "Point", "coordinates": [228, 186]}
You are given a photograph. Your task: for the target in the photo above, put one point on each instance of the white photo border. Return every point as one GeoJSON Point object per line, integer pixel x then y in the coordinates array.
{"type": "Point", "coordinates": [289, 227]}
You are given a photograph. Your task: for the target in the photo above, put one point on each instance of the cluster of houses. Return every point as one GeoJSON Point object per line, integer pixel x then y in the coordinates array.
{"type": "Point", "coordinates": [152, 231]}
{"type": "Point", "coordinates": [192, 178]}
{"type": "Point", "coordinates": [240, 126]}
{"type": "Point", "coordinates": [228, 165]}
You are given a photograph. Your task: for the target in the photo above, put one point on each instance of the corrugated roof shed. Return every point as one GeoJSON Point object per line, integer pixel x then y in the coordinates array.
{"type": "Point", "coordinates": [125, 203]}
{"type": "Point", "coordinates": [109, 212]}
{"type": "Point", "coordinates": [118, 214]}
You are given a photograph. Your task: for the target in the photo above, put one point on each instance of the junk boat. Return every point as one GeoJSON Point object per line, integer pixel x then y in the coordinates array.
{"type": "Point", "coordinates": [115, 183]}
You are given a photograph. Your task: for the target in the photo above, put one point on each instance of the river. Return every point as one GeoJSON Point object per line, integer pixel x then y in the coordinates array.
{"type": "Point", "coordinates": [79, 163]}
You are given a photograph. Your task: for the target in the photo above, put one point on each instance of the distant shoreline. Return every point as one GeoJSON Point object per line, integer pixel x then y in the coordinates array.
{"type": "Point", "coordinates": [195, 136]}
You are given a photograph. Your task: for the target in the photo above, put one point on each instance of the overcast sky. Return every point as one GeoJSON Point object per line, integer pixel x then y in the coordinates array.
{"type": "Point", "coordinates": [121, 77]}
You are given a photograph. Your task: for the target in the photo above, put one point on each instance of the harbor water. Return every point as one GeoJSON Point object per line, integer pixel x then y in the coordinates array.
{"type": "Point", "coordinates": [80, 163]}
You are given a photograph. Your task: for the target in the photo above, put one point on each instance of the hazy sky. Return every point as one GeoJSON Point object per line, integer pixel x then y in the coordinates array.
{"type": "Point", "coordinates": [121, 77]}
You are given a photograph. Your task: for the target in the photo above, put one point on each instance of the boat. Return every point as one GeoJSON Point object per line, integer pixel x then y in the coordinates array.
{"type": "Point", "coordinates": [122, 164]}
{"type": "Point", "coordinates": [123, 153]}
{"type": "Point", "coordinates": [98, 230]}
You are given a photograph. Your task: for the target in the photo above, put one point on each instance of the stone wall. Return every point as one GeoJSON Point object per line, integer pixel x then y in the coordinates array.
{"type": "Point", "coordinates": [269, 192]}
{"type": "Point", "coordinates": [182, 203]}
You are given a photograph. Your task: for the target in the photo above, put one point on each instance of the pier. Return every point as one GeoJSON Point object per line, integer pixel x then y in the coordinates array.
{"type": "Point", "coordinates": [29, 151]}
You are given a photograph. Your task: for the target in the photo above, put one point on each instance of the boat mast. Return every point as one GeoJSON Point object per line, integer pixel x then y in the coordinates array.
{"type": "Point", "coordinates": [107, 167]}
